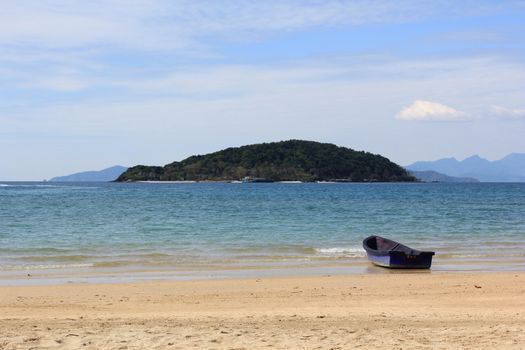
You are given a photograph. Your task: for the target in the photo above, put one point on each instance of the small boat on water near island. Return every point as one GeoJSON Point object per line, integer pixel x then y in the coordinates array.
{"type": "Point", "coordinates": [387, 253]}
{"type": "Point", "coordinates": [249, 179]}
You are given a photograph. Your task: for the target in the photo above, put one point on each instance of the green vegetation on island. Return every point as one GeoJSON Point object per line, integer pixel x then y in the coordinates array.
{"type": "Point", "coordinates": [293, 160]}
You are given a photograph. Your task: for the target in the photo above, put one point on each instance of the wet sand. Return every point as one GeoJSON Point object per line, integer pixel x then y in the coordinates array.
{"type": "Point", "coordinates": [394, 311]}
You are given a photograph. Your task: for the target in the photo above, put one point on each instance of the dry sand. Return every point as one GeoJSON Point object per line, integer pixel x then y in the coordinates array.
{"type": "Point", "coordinates": [398, 311]}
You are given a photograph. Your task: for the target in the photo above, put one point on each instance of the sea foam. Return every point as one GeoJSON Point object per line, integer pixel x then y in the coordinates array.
{"type": "Point", "coordinates": [353, 252]}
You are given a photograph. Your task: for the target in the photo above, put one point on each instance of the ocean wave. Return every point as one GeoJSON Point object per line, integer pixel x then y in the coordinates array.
{"type": "Point", "coordinates": [35, 250]}
{"type": "Point", "coordinates": [458, 255]}
{"type": "Point", "coordinates": [485, 255]}
{"type": "Point", "coordinates": [43, 267]}
{"type": "Point", "coordinates": [28, 185]}
{"type": "Point", "coordinates": [353, 252]}
{"type": "Point", "coordinates": [120, 263]}
{"type": "Point", "coordinates": [63, 258]}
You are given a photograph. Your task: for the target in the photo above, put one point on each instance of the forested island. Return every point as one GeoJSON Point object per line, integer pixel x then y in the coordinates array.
{"type": "Point", "coordinates": [293, 160]}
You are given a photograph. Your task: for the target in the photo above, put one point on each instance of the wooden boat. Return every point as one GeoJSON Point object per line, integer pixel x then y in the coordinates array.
{"type": "Point", "coordinates": [387, 253]}
{"type": "Point", "coordinates": [248, 179]}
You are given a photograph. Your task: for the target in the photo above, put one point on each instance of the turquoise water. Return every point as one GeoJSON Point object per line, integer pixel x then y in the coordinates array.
{"type": "Point", "coordinates": [59, 227]}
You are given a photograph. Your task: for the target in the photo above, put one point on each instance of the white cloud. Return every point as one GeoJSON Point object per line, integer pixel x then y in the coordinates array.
{"type": "Point", "coordinates": [178, 24]}
{"type": "Point", "coordinates": [106, 40]}
{"type": "Point", "coordinates": [340, 92]}
{"type": "Point", "coordinates": [148, 118]}
{"type": "Point", "coordinates": [142, 67]}
{"type": "Point", "coordinates": [358, 80]}
{"type": "Point", "coordinates": [509, 113]}
{"type": "Point", "coordinates": [427, 110]}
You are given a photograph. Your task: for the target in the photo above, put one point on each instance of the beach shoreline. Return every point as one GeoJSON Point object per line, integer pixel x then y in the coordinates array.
{"type": "Point", "coordinates": [127, 274]}
{"type": "Point", "coordinates": [94, 231]}
{"type": "Point", "coordinates": [407, 310]}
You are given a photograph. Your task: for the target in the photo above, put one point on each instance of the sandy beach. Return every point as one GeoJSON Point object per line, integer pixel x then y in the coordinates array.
{"type": "Point", "coordinates": [394, 311]}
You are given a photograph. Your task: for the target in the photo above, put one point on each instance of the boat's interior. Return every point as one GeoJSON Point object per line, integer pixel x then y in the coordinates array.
{"type": "Point", "coordinates": [382, 244]}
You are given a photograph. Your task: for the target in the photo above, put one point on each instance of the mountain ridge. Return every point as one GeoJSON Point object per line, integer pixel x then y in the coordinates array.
{"type": "Point", "coordinates": [104, 175]}
{"type": "Point", "coordinates": [434, 176]}
{"type": "Point", "coordinates": [510, 168]}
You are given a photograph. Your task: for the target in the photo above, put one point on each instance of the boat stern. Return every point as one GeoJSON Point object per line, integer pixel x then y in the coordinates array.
{"type": "Point", "coordinates": [421, 260]}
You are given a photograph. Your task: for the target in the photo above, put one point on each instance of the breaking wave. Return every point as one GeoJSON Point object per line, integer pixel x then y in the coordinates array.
{"type": "Point", "coordinates": [352, 252]}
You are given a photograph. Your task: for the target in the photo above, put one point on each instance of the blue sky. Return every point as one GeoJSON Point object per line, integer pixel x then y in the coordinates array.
{"type": "Point", "coordinates": [86, 85]}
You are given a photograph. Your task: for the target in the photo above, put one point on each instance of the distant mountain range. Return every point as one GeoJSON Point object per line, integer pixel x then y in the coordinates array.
{"type": "Point", "coordinates": [508, 169]}
{"type": "Point", "coordinates": [103, 175]}
{"type": "Point", "coordinates": [434, 176]}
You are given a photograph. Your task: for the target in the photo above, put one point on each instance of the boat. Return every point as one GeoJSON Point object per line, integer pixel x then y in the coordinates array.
{"type": "Point", "coordinates": [387, 253]}
{"type": "Point", "coordinates": [249, 179]}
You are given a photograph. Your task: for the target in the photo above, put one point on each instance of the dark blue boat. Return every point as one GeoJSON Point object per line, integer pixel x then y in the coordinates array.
{"type": "Point", "coordinates": [387, 253]}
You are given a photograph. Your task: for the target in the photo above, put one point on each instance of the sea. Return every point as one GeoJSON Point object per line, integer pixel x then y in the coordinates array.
{"type": "Point", "coordinates": [81, 232]}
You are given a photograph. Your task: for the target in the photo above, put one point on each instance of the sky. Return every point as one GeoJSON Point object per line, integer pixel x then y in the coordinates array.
{"type": "Point", "coordinates": [85, 85]}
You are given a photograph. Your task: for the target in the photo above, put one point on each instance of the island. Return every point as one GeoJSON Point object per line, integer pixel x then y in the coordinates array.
{"type": "Point", "coordinates": [292, 160]}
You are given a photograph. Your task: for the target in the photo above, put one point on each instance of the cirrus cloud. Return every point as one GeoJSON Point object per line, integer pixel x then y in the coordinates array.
{"type": "Point", "coordinates": [433, 111]}
{"type": "Point", "coordinates": [508, 113]}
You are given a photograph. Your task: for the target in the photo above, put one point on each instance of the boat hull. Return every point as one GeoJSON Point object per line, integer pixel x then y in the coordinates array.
{"type": "Point", "coordinates": [387, 253]}
{"type": "Point", "coordinates": [398, 261]}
